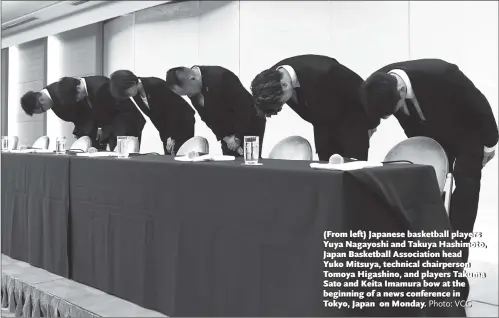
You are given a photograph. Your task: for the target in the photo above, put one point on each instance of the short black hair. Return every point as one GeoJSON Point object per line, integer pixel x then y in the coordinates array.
{"type": "Point", "coordinates": [29, 102]}
{"type": "Point", "coordinates": [172, 76]}
{"type": "Point", "coordinates": [68, 89]}
{"type": "Point", "coordinates": [379, 95]}
{"type": "Point", "coordinates": [121, 81]}
{"type": "Point", "coordinates": [267, 92]}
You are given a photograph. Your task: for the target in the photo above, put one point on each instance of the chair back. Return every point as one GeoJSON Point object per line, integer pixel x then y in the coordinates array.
{"type": "Point", "coordinates": [196, 143]}
{"type": "Point", "coordinates": [83, 143]}
{"type": "Point", "coordinates": [292, 148]}
{"type": "Point", "coordinates": [423, 151]}
{"type": "Point", "coordinates": [13, 142]}
{"type": "Point", "coordinates": [42, 143]}
{"type": "Point", "coordinates": [132, 145]}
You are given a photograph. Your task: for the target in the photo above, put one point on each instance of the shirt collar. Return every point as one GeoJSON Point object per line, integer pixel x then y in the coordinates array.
{"type": "Point", "coordinates": [292, 73]}
{"type": "Point", "coordinates": [46, 92]}
{"type": "Point", "coordinates": [84, 83]}
{"type": "Point", "coordinates": [403, 75]}
{"type": "Point", "coordinates": [197, 68]}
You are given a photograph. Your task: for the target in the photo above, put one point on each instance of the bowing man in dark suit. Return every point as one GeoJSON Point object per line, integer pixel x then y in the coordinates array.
{"type": "Point", "coordinates": [433, 98]}
{"type": "Point", "coordinates": [222, 103]}
{"type": "Point", "coordinates": [113, 118]}
{"type": "Point", "coordinates": [50, 97]}
{"type": "Point", "coordinates": [172, 116]}
{"type": "Point", "coordinates": [324, 93]}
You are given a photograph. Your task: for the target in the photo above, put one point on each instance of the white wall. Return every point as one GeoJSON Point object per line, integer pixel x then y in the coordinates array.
{"type": "Point", "coordinates": [177, 34]}
{"type": "Point", "coordinates": [469, 38]}
{"type": "Point", "coordinates": [75, 53]}
{"type": "Point", "coordinates": [27, 69]}
{"type": "Point", "coordinates": [4, 80]}
{"type": "Point", "coordinates": [248, 36]}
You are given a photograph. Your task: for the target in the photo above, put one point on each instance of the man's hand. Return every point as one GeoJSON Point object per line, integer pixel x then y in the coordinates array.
{"type": "Point", "coordinates": [371, 132]}
{"type": "Point", "coordinates": [170, 144]}
{"type": "Point", "coordinates": [487, 156]}
{"type": "Point", "coordinates": [232, 142]}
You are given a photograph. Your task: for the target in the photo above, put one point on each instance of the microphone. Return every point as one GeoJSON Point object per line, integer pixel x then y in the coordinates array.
{"type": "Point", "coordinates": [336, 159]}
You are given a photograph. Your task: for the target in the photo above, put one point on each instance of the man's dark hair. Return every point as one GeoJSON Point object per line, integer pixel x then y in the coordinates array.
{"type": "Point", "coordinates": [379, 95]}
{"type": "Point", "coordinates": [68, 89]}
{"type": "Point", "coordinates": [121, 81]}
{"type": "Point", "coordinates": [172, 76]}
{"type": "Point", "coordinates": [29, 102]}
{"type": "Point", "coordinates": [267, 92]}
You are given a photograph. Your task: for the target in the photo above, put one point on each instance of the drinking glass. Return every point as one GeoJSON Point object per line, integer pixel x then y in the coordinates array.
{"type": "Point", "coordinates": [122, 145]}
{"type": "Point", "coordinates": [133, 144]}
{"type": "Point", "coordinates": [60, 145]}
{"type": "Point", "coordinates": [5, 143]}
{"type": "Point", "coordinates": [251, 150]}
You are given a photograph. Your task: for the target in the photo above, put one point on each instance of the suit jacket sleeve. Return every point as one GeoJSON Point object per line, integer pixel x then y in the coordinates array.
{"type": "Point", "coordinates": [84, 122]}
{"type": "Point", "coordinates": [168, 120]}
{"type": "Point", "coordinates": [176, 114]}
{"type": "Point", "coordinates": [239, 103]}
{"type": "Point", "coordinates": [474, 105]}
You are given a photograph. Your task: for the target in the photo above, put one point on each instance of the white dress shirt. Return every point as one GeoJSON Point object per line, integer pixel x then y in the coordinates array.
{"type": "Point", "coordinates": [292, 73]}
{"type": "Point", "coordinates": [46, 92]}
{"type": "Point", "coordinates": [294, 80]}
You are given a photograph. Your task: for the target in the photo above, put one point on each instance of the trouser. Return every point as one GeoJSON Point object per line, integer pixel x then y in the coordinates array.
{"type": "Point", "coordinates": [465, 162]}
{"type": "Point", "coordinates": [255, 128]}
{"type": "Point", "coordinates": [467, 172]}
{"type": "Point", "coordinates": [182, 134]}
{"type": "Point", "coordinates": [123, 124]}
{"type": "Point", "coordinates": [348, 140]}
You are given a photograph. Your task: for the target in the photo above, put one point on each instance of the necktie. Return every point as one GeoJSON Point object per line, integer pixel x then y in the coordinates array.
{"type": "Point", "coordinates": [411, 108]}
{"type": "Point", "coordinates": [295, 96]}
{"type": "Point", "coordinates": [87, 100]}
{"type": "Point", "coordinates": [413, 111]}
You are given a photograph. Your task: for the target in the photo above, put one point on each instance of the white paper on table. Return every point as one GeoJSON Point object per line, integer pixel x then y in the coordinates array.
{"type": "Point", "coordinates": [32, 151]}
{"type": "Point", "coordinates": [98, 154]}
{"type": "Point", "coordinates": [208, 157]}
{"type": "Point", "coordinates": [354, 165]}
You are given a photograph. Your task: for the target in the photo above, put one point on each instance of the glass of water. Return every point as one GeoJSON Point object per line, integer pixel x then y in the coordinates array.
{"type": "Point", "coordinates": [251, 150]}
{"type": "Point", "coordinates": [5, 143]}
{"type": "Point", "coordinates": [60, 145]}
{"type": "Point", "coordinates": [133, 144]}
{"type": "Point", "coordinates": [122, 146]}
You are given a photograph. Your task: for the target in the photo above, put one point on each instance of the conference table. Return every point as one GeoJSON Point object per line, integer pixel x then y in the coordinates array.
{"type": "Point", "coordinates": [207, 238]}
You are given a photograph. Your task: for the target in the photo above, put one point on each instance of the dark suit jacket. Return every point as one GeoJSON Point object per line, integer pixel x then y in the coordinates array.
{"type": "Point", "coordinates": [78, 114]}
{"type": "Point", "coordinates": [116, 118]}
{"type": "Point", "coordinates": [228, 107]}
{"type": "Point", "coordinates": [453, 107]}
{"type": "Point", "coordinates": [328, 90]}
{"type": "Point", "coordinates": [170, 113]}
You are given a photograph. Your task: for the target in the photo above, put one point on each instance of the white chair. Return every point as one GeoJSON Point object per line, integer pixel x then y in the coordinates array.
{"type": "Point", "coordinates": [13, 141]}
{"type": "Point", "coordinates": [292, 148]}
{"type": "Point", "coordinates": [83, 143]}
{"type": "Point", "coordinates": [196, 143]}
{"type": "Point", "coordinates": [426, 151]}
{"type": "Point", "coordinates": [42, 143]}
